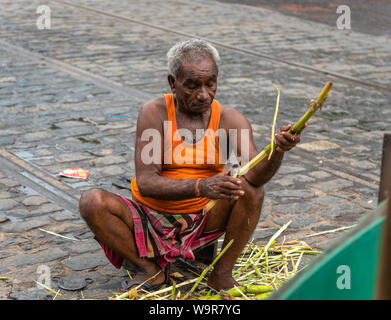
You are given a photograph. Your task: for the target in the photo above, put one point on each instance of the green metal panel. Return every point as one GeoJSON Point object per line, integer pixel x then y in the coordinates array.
{"type": "Point", "coordinates": [346, 270]}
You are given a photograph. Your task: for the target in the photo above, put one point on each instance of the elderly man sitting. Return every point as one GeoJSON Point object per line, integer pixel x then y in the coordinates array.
{"type": "Point", "coordinates": [180, 167]}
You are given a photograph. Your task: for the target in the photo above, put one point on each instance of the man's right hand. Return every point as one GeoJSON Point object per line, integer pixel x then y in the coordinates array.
{"type": "Point", "coordinates": [221, 186]}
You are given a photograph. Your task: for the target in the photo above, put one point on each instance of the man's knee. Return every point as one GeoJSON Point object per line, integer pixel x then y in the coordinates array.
{"type": "Point", "coordinates": [253, 194]}
{"type": "Point", "coordinates": [90, 202]}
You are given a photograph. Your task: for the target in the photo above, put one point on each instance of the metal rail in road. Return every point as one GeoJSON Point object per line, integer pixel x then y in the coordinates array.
{"type": "Point", "coordinates": [230, 47]}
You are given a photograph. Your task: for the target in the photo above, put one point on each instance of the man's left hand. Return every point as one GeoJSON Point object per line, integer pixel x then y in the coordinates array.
{"type": "Point", "coordinates": [284, 140]}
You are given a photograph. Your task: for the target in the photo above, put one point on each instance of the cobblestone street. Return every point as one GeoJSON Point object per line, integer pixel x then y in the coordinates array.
{"type": "Point", "coordinates": [70, 95]}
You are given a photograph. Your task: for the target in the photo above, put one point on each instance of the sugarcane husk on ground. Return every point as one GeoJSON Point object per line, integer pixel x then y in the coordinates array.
{"type": "Point", "coordinates": [260, 270]}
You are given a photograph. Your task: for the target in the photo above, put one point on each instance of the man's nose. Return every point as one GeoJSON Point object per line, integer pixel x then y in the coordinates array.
{"type": "Point", "coordinates": [203, 94]}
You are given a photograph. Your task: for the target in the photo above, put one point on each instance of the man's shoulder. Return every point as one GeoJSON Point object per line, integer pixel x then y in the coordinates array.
{"type": "Point", "coordinates": [231, 118]}
{"type": "Point", "coordinates": [155, 104]}
{"type": "Point", "coordinates": [155, 108]}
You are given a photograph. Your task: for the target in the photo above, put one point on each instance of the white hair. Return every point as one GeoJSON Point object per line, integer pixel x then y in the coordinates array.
{"type": "Point", "coordinates": [193, 49]}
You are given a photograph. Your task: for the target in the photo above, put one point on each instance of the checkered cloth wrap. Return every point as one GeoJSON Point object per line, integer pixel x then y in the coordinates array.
{"type": "Point", "coordinates": [166, 236]}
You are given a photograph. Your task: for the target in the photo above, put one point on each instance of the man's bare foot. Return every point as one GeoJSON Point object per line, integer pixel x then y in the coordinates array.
{"type": "Point", "coordinates": [220, 281]}
{"type": "Point", "coordinates": [153, 276]}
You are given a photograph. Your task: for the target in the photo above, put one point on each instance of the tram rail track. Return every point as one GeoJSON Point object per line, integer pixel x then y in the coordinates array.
{"type": "Point", "coordinates": [230, 47]}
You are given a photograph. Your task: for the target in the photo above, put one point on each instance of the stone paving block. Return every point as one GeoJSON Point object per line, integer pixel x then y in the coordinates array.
{"type": "Point", "coordinates": [7, 242]}
{"type": "Point", "coordinates": [109, 160]}
{"type": "Point", "coordinates": [110, 170]}
{"type": "Point", "coordinates": [45, 208]}
{"type": "Point", "coordinates": [110, 270]}
{"type": "Point", "coordinates": [71, 157]}
{"type": "Point", "coordinates": [6, 204]}
{"type": "Point", "coordinates": [103, 291]}
{"type": "Point", "coordinates": [295, 193]}
{"type": "Point", "coordinates": [4, 270]}
{"type": "Point", "coordinates": [264, 234]}
{"type": "Point", "coordinates": [368, 204]}
{"type": "Point", "coordinates": [9, 183]}
{"type": "Point", "coordinates": [43, 256]}
{"type": "Point", "coordinates": [324, 227]}
{"type": "Point", "coordinates": [32, 294]}
{"type": "Point", "coordinates": [85, 261]}
{"type": "Point", "coordinates": [5, 254]}
{"type": "Point", "coordinates": [326, 200]}
{"type": "Point", "coordinates": [298, 207]}
{"type": "Point", "coordinates": [19, 227]}
{"type": "Point", "coordinates": [293, 179]}
{"type": "Point", "coordinates": [319, 174]}
{"type": "Point", "coordinates": [6, 140]}
{"type": "Point", "coordinates": [333, 185]}
{"type": "Point", "coordinates": [64, 215]}
{"type": "Point", "coordinates": [340, 210]}
{"type": "Point", "coordinates": [319, 145]}
{"type": "Point", "coordinates": [85, 246]}
{"type": "Point", "coordinates": [35, 136]}
{"type": "Point", "coordinates": [299, 221]}
{"type": "Point", "coordinates": [286, 169]}
{"type": "Point", "coordinates": [34, 201]}
{"type": "Point", "coordinates": [6, 195]}
{"type": "Point", "coordinates": [3, 217]}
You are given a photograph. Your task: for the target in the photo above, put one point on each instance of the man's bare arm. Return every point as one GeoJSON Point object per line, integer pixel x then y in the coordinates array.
{"type": "Point", "coordinates": [149, 180]}
{"type": "Point", "coordinates": [265, 169]}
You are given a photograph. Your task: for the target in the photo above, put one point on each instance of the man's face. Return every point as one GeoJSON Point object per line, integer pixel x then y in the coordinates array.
{"type": "Point", "coordinates": [196, 85]}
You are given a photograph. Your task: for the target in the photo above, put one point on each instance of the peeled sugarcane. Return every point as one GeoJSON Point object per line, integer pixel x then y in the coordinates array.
{"type": "Point", "coordinates": [312, 108]}
{"type": "Point", "coordinates": [251, 289]}
{"type": "Point", "coordinates": [238, 292]}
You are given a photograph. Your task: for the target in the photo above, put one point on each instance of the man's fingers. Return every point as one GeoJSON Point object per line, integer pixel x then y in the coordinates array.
{"type": "Point", "coordinates": [232, 194]}
{"type": "Point", "coordinates": [233, 180]}
{"type": "Point", "coordinates": [231, 186]}
{"type": "Point", "coordinates": [285, 128]}
{"type": "Point", "coordinates": [281, 141]}
{"type": "Point", "coordinates": [289, 136]}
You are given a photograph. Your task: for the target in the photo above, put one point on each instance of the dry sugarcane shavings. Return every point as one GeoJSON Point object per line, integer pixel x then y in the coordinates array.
{"type": "Point", "coordinates": [260, 270]}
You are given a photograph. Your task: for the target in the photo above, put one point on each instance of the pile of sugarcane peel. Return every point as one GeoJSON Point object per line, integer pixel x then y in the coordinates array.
{"type": "Point", "coordinates": [260, 270]}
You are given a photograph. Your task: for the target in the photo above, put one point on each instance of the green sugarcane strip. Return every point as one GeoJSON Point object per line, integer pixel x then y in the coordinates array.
{"type": "Point", "coordinates": [263, 296]}
{"type": "Point", "coordinates": [3, 278]}
{"type": "Point", "coordinates": [274, 120]}
{"type": "Point", "coordinates": [258, 288]}
{"type": "Point", "coordinates": [325, 92]}
{"type": "Point", "coordinates": [304, 251]}
{"type": "Point", "coordinates": [212, 297]}
{"type": "Point", "coordinates": [251, 289]}
{"type": "Point", "coordinates": [321, 99]}
{"type": "Point", "coordinates": [173, 290]}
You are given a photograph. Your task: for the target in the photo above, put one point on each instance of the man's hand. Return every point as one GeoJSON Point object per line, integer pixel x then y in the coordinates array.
{"type": "Point", "coordinates": [221, 186]}
{"type": "Point", "coordinates": [284, 140]}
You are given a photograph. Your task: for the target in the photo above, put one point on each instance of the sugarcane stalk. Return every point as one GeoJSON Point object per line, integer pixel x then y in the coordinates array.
{"type": "Point", "coordinates": [251, 289]}
{"type": "Point", "coordinates": [313, 107]}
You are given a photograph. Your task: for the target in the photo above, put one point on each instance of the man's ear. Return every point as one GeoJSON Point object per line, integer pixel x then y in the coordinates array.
{"type": "Point", "coordinates": [171, 82]}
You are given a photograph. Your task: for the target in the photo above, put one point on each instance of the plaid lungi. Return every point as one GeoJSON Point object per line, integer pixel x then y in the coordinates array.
{"type": "Point", "coordinates": [164, 236]}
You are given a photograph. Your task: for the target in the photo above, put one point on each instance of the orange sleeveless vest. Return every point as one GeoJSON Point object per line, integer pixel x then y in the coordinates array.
{"type": "Point", "coordinates": [183, 160]}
